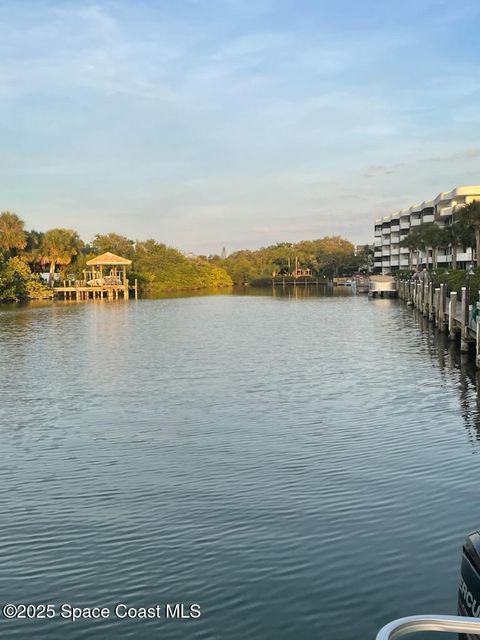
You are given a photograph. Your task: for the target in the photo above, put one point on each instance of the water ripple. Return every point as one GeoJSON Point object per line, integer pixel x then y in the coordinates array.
{"type": "Point", "coordinates": [287, 463]}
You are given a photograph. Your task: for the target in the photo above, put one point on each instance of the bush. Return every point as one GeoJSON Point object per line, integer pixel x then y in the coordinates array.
{"type": "Point", "coordinates": [161, 269]}
{"type": "Point", "coordinates": [17, 282]}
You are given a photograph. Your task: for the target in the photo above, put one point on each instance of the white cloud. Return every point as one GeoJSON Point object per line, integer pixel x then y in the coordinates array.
{"type": "Point", "coordinates": [244, 134]}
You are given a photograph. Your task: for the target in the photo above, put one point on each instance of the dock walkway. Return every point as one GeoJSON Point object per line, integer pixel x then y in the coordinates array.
{"type": "Point", "coordinates": [82, 291]}
{"type": "Point", "coordinates": [447, 313]}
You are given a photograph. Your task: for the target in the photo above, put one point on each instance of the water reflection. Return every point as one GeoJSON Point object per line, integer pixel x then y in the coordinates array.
{"type": "Point", "coordinates": [456, 367]}
{"type": "Point", "coordinates": [285, 465]}
{"type": "Point", "coordinates": [299, 292]}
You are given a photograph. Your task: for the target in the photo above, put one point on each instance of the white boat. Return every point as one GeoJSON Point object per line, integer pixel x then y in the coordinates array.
{"type": "Point", "coordinates": [382, 287]}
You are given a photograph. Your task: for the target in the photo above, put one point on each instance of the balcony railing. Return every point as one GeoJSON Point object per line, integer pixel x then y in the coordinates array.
{"type": "Point", "coordinates": [445, 211]}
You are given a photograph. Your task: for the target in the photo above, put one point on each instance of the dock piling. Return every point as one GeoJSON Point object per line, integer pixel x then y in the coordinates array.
{"type": "Point", "coordinates": [464, 335]}
{"type": "Point", "coordinates": [452, 310]}
{"type": "Point", "coordinates": [431, 303]}
{"type": "Point", "coordinates": [477, 344]}
{"type": "Point", "coordinates": [441, 308]}
{"type": "Point", "coordinates": [436, 305]}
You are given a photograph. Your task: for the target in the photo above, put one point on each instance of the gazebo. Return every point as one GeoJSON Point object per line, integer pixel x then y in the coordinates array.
{"type": "Point", "coordinates": [109, 272]}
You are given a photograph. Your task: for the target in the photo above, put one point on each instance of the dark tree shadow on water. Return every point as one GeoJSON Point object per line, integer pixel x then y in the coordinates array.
{"type": "Point", "coordinates": [455, 367]}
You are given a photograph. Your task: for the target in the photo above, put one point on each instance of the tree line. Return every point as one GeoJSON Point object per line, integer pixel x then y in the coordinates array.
{"type": "Point", "coordinates": [27, 255]}
{"type": "Point", "coordinates": [329, 256]}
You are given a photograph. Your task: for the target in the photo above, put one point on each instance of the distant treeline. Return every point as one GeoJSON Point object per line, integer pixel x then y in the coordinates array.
{"type": "Point", "coordinates": [24, 255]}
{"type": "Point", "coordinates": [329, 256]}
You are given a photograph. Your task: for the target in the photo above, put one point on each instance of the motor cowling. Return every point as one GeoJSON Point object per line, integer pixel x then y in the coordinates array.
{"type": "Point", "coordinates": [469, 589]}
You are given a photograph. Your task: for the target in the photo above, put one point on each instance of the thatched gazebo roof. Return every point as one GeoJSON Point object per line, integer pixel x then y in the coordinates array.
{"type": "Point", "coordinates": [108, 259]}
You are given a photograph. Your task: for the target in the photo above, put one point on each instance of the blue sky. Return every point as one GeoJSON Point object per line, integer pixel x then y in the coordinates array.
{"type": "Point", "coordinates": [236, 123]}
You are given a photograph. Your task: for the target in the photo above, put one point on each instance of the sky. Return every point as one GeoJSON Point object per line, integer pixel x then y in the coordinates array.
{"type": "Point", "coordinates": [234, 123]}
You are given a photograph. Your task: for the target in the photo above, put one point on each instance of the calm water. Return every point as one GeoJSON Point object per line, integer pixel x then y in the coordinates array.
{"type": "Point", "coordinates": [292, 464]}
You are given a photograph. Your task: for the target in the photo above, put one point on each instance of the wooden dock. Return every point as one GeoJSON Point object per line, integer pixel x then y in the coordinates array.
{"type": "Point", "coordinates": [106, 278]}
{"type": "Point", "coordinates": [459, 318]}
{"type": "Point", "coordinates": [299, 281]}
{"type": "Point", "coordinates": [79, 290]}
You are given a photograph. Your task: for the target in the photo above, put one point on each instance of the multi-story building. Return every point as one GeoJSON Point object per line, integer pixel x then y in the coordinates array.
{"type": "Point", "coordinates": [391, 230]}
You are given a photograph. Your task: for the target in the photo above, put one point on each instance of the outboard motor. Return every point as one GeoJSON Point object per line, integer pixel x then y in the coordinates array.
{"type": "Point", "coordinates": [469, 591]}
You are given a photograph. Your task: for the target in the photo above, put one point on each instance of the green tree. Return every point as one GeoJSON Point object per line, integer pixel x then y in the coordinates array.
{"type": "Point", "coordinates": [329, 255]}
{"type": "Point", "coordinates": [456, 235]}
{"type": "Point", "coordinates": [58, 247]}
{"type": "Point", "coordinates": [17, 281]}
{"type": "Point", "coordinates": [12, 232]}
{"type": "Point", "coordinates": [365, 259]}
{"type": "Point", "coordinates": [115, 243]}
{"type": "Point", "coordinates": [431, 237]}
{"type": "Point", "coordinates": [31, 251]}
{"type": "Point", "coordinates": [413, 242]}
{"type": "Point", "coordinates": [334, 254]}
{"type": "Point", "coordinates": [161, 269]}
{"type": "Point", "coordinates": [470, 216]}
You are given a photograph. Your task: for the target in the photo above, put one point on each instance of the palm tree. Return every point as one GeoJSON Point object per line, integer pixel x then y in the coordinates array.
{"type": "Point", "coordinates": [12, 232]}
{"type": "Point", "coordinates": [413, 242]}
{"type": "Point", "coordinates": [431, 238]}
{"type": "Point", "coordinates": [470, 216]}
{"type": "Point", "coordinates": [58, 247]}
{"type": "Point", "coordinates": [456, 235]}
{"type": "Point", "coordinates": [31, 251]}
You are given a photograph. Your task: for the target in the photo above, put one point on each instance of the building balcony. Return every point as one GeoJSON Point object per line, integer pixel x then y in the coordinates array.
{"type": "Point", "coordinates": [405, 224]}
{"type": "Point", "coordinates": [395, 227]}
{"type": "Point", "coordinates": [445, 211]}
{"type": "Point", "coordinates": [404, 250]}
{"type": "Point", "coordinates": [465, 256]}
{"type": "Point", "coordinates": [415, 222]}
